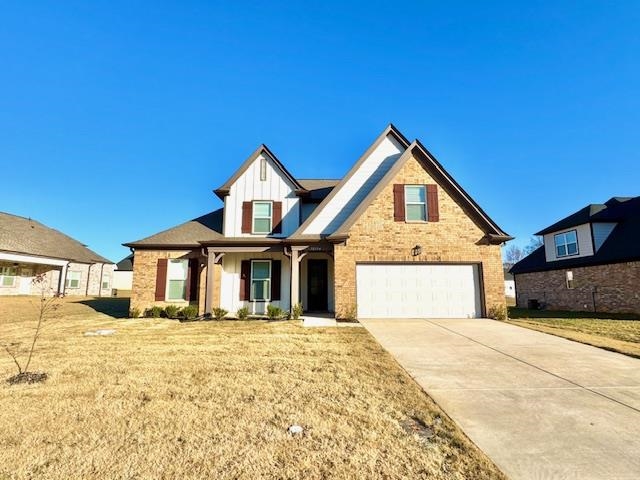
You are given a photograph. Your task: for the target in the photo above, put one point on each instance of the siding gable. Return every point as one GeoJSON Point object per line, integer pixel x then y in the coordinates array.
{"type": "Point", "coordinates": [601, 232]}
{"type": "Point", "coordinates": [585, 245]}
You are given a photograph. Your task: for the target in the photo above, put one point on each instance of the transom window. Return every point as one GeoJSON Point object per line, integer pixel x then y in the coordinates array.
{"type": "Point", "coordinates": [8, 276]}
{"type": "Point", "coordinates": [262, 217]}
{"type": "Point", "coordinates": [415, 199]}
{"type": "Point", "coordinates": [73, 279]}
{"type": "Point", "coordinates": [177, 279]}
{"type": "Point", "coordinates": [260, 280]}
{"type": "Point", "coordinates": [566, 244]}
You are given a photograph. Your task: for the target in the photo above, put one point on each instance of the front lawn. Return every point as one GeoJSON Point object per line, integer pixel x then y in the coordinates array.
{"type": "Point", "coordinates": [161, 399]}
{"type": "Point", "coordinates": [619, 333]}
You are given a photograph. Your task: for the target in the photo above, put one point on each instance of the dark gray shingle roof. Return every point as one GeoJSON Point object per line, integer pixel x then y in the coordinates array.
{"type": "Point", "coordinates": [126, 264]}
{"type": "Point", "coordinates": [29, 237]}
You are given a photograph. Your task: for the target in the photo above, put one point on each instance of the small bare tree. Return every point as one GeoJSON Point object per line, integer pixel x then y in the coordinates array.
{"type": "Point", "coordinates": [534, 244]}
{"type": "Point", "coordinates": [48, 304]}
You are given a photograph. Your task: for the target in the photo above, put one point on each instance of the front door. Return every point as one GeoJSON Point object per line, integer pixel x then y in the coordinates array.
{"type": "Point", "coordinates": [317, 284]}
{"type": "Point", "coordinates": [26, 277]}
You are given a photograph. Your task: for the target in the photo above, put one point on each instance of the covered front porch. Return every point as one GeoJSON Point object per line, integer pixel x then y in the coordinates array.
{"type": "Point", "coordinates": [17, 272]}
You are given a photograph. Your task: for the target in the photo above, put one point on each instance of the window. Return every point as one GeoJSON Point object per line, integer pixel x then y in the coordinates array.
{"type": "Point", "coordinates": [260, 280]}
{"type": "Point", "coordinates": [263, 169]}
{"type": "Point", "coordinates": [569, 276]}
{"type": "Point", "coordinates": [566, 244]}
{"type": "Point", "coordinates": [262, 213]}
{"type": "Point", "coordinates": [73, 279]}
{"type": "Point", "coordinates": [177, 279]}
{"type": "Point", "coordinates": [415, 198]}
{"type": "Point", "coordinates": [8, 276]}
{"type": "Point", "coordinates": [105, 282]}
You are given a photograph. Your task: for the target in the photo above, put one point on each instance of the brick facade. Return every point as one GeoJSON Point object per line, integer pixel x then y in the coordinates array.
{"type": "Point", "coordinates": [377, 237]}
{"type": "Point", "coordinates": [603, 288]}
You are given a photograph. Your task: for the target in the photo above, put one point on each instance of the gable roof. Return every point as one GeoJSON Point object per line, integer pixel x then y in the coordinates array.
{"type": "Point", "coordinates": [29, 237]}
{"type": "Point", "coordinates": [186, 235]}
{"type": "Point", "coordinates": [126, 264]}
{"type": "Point", "coordinates": [390, 130]}
{"type": "Point", "coordinates": [223, 191]}
{"type": "Point", "coordinates": [620, 246]}
{"type": "Point", "coordinates": [316, 189]}
{"type": "Point", "coordinates": [494, 233]}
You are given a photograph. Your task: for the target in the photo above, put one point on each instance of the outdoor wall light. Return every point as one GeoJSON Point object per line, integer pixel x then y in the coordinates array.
{"type": "Point", "coordinates": [417, 250]}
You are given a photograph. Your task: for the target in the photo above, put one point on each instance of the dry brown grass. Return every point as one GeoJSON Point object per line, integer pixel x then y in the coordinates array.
{"type": "Point", "coordinates": [161, 399]}
{"type": "Point", "coordinates": [622, 336]}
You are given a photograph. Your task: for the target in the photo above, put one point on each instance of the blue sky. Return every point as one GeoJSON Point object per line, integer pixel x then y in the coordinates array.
{"type": "Point", "coordinates": [117, 119]}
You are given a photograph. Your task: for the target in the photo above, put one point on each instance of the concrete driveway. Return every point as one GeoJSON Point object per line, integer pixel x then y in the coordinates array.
{"type": "Point", "coordinates": [540, 406]}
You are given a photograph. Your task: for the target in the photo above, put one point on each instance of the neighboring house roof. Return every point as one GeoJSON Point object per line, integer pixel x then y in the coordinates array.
{"type": "Point", "coordinates": [621, 245]}
{"type": "Point", "coordinates": [188, 234]}
{"type": "Point", "coordinates": [262, 149]}
{"type": "Point", "coordinates": [126, 264]}
{"type": "Point", "coordinates": [29, 237]}
{"type": "Point", "coordinates": [507, 275]}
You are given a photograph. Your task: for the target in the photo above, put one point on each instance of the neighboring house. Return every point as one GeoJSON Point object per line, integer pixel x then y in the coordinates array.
{"type": "Point", "coordinates": [397, 237]}
{"type": "Point", "coordinates": [29, 248]}
{"type": "Point", "coordinates": [123, 275]}
{"type": "Point", "coordinates": [590, 261]}
{"type": "Point", "coordinates": [509, 284]}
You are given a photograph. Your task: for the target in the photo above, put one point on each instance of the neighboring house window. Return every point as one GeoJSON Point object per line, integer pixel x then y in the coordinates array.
{"type": "Point", "coordinates": [415, 198]}
{"type": "Point", "coordinates": [177, 279]}
{"type": "Point", "coordinates": [8, 276]}
{"type": "Point", "coordinates": [566, 244]}
{"type": "Point", "coordinates": [262, 216]}
{"type": "Point", "coordinates": [260, 280]}
{"type": "Point", "coordinates": [263, 169]}
{"type": "Point", "coordinates": [105, 282]}
{"type": "Point", "coordinates": [73, 279]}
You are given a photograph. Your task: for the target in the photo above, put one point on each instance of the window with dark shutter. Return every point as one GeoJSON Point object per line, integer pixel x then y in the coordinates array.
{"type": "Point", "coordinates": [398, 203]}
{"type": "Point", "coordinates": [432, 203]}
{"type": "Point", "coordinates": [245, 281]}
{"type": "Point", "coordinates": [161, 279]}
{"type": "Point", "coordinates": [277, 217]}
{"type": "Point", "coordinates": [276, 266]}
{"type": "Point", "coordinates": [247, 216]}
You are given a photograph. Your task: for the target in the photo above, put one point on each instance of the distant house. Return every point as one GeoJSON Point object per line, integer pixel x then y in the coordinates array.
{"type": "Point", "coordinates": [397, 237]}
{"type": "Point", "coordinates": [29, 248]}
{"type": "Point", "coordinates": [590, 261]}
{"type": "Point", "coordinates": [123, 274]}
{"type": "Point", "coordinates": [509, 284]}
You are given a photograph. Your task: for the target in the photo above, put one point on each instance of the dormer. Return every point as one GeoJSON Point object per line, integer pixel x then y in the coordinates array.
{"type": "Point", "coordinates": [261, 199]}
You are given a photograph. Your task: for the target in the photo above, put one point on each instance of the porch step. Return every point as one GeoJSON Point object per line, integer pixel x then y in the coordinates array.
{"type": "Point", "coordinates": [318, 321]}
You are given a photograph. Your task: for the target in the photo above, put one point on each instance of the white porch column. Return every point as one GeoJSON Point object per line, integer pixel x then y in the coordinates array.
{"type": "Point", "coordinates": [295, 278]}
{"type": "Point", "coordinates": [63, 278]}
{"type": "Point", "coordinates": [208, 293]}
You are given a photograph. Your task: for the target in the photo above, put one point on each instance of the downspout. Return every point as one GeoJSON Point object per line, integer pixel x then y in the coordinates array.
{"type": "Point", "coordinates": [100, 280]}
{"type": "Point", "coordinates": [86, 290]}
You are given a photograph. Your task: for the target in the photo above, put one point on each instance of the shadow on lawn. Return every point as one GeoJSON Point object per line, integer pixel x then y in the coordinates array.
{"type": "Point", "coordinates": [515, 313]}
{"type": "Point", "coordinates": [113, 306]}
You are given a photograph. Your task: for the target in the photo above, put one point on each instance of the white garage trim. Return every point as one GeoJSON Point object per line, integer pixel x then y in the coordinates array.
{"type": "Point", "coordinates": [419, 290]}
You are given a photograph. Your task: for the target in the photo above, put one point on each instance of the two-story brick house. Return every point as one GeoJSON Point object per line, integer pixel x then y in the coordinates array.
{"type": "Point", "coordinates": [590, 261]}
{"type": "Point", "coordinates": [397, 237]}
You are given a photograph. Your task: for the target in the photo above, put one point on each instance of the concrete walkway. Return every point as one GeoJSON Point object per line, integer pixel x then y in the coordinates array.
{"type": "Point", "coordinates": [540, 406]}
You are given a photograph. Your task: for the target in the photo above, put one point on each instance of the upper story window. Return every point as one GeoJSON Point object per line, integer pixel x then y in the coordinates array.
{"type": "Point", "coordinates": [73, 279]}
{"type": "Point", "coordinates": [262, 217]}
{"type": "Point", "coordinates": [8, 276]}
{"type": "Point", "coordinates": [415, 198]}
{"type": "Point", "coordinates": [263, 169]}
{"type": "Point", "coordinates": [566, 243]}
{"type": "Point", "coordinates": [177, 279]}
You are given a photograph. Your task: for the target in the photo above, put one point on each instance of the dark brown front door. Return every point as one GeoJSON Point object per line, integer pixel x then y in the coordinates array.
{"type": "Point", "coordinates": [317, 287]}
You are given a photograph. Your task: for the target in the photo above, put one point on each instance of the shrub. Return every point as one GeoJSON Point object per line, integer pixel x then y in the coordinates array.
{"type": "Point", "coordinates": [219, 313]}
{"type": "Point", "coordinates": [275, 313]}
{"type": "Point", "coordinates": [242, 313]}
{"type": "Point", "coordinates": [498, 312]}
{"type": "Point", "coordinates": [135, 313]}
{"type": "Point", "coordinates": [188, 313]}
{"type": "Point", "coordinates": [297, 311]}
{"type": "Point", "coordinates": [154, 312]}
{"type": "Point", "coordinates": [349, 314]}
{"type": "Point", "coordinates": [171, 311]}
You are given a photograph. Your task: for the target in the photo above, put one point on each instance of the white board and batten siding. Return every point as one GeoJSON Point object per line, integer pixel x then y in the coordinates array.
{"type": "Point", "coordinates": [248, 187]}
{"type": "Point", "coordinates": [230, 283]}
{"type": "Point", "coordinates": [356, 188]}
{"type": "Point", "coordinates": [585, 245]}
{"type": "Point", "coordinates": [418, 291]}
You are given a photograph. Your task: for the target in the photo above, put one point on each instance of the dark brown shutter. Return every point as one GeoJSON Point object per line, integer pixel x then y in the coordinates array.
{"type": "Point", "coordinates": [398, 203]}
{"type": "Point", "coordinates": [247, 216]}
{"type": "Point", "coordinates": [432, 203]}
{"type": "Point", "coordinates": [161, 279]}
{"type": "Point", "coordinates": [276, 267]}
{"type": "Point", "coordinates": [245, 280]}
{"type": "Point", "coordinates": [277, 217]}
{"type": "Point", "coordinates": [193, 278]}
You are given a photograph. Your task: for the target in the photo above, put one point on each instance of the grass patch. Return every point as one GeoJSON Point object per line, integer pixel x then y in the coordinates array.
{"type": "Point", "coordinates": [615, 332]}
{"type": "Point", "coordinates": [163, 399]}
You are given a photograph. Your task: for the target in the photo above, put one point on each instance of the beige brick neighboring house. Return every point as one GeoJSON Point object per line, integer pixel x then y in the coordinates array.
{"type": "Point", "coordinates": [29, 248]}
{"type": "Point", "coordinates": [397, 237]}
{"type": "Point", "coordinates": [590, 261]}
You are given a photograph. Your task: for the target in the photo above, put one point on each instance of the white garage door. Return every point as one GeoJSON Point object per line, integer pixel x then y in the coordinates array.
{"type": "Point", "coordinates": [418, 291]}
